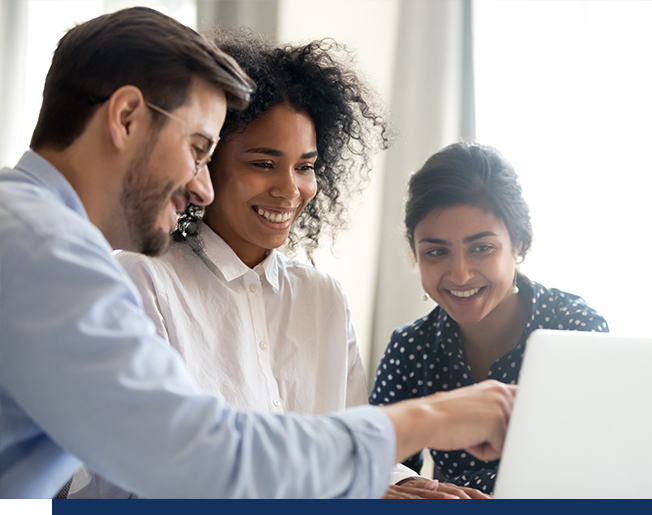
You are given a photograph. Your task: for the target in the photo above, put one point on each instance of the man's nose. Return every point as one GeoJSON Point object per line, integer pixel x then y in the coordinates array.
{"type": "Point", "coordinates": [200, 188]}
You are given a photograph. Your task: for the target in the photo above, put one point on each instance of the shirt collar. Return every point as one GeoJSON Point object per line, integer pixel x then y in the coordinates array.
{"type": "Point", "coordinates": [40, 170]}
{"type": "Point", "coordinates": [270, 266]}
{"type": "Point", "coordinates": [231, 266]}
{"type": "Point", "coordinates": [536, 291]}
{"type": "Point", "coordinates": [447, 337]}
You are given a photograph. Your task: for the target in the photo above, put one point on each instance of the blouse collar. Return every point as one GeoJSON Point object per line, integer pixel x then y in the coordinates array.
{"type": "Point", "coordinates": [231, 266]}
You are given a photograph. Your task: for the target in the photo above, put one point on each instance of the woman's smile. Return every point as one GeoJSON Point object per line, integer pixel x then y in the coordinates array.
{"type": "Point", "coordinates": [276, 217]}
{"type": "Point", "coordinates": [464, 298]}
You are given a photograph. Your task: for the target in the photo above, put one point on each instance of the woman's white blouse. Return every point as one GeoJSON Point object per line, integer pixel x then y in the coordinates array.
{"type": "Point", "coordinates": [273, 339]}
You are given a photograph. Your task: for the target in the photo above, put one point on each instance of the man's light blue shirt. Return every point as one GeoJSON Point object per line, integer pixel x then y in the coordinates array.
{"type": "Point", "coordinates": [84, 378]}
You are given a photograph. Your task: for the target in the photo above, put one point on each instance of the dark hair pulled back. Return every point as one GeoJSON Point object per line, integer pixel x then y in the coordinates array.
{"type": "Point", "coordinates": [474, 175]}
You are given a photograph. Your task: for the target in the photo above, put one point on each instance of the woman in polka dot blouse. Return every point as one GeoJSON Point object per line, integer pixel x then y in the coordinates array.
{"type": "Point", "coordinates": [469, 226]}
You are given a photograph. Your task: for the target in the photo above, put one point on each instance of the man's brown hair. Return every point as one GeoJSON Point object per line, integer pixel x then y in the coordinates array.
{"type": "Point", "coordinates": [136, 46]}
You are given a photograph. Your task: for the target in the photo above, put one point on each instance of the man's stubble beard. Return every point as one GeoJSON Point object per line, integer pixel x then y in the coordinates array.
{"type": "Point", "coordinates": [143, 199]}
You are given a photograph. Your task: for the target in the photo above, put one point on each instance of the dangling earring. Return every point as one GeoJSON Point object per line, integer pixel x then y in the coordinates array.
{"type": "Point", "coordinates": [425, 296]}
{"type": "Point", "coordinates": [515, 289]}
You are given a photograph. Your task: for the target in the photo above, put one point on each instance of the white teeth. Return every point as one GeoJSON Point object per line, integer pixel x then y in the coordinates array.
{"type": "Point", "coordinates": [467, 293]}
{"type": "Point", "coordinates": [274, 217]}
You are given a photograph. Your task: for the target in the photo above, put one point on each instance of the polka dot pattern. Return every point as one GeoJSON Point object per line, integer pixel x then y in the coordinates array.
{"type": "Point", "coordinates": [426, 357]}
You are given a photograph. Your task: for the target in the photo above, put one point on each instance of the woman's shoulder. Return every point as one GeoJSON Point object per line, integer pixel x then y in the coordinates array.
{"type": "Point", "coordinates": [130, 259]}
{"type": "Point", "coordinates": [177, 255]}
{"type": "Point", "coordinates": [566, 310]}
{"type": "Point", "coordinates": [307, 274]}
{"type": "Point", "coordinates": [420, 328]}
{"type": "Point", "coordinates": [557, 299]}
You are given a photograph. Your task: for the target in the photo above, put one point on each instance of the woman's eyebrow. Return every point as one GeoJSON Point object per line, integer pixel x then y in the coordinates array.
{"type": "Point", "coordinates": [278, 153]}
{"type": "Point", "coordinates": [265, 150]}
{"type": "Point", "coordinates": [437, 241]}
{"type": "Point", "coordinates": [469, 239]}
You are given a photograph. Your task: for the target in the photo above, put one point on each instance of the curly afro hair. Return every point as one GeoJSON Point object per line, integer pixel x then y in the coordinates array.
{"type": "Point", "coordinates": [318, 79]}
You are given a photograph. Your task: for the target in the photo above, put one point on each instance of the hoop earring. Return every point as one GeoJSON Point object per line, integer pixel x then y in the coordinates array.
{"type": "Point", "coordinates": [425, 296]}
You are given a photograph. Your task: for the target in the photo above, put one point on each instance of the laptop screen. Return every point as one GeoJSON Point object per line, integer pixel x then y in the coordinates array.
{"type": "Point", "coordinates": [582, 420]}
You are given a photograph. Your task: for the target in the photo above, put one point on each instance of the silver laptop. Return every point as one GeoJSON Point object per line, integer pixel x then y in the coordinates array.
{"type": "Point", "coordinates": [582, 420]}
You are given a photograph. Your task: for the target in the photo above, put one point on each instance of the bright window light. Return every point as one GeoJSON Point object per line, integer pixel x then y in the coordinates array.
{"type": "Point", "coordinates": [47, 21]}
{"type": "Point", "coordinates": [564, 90]}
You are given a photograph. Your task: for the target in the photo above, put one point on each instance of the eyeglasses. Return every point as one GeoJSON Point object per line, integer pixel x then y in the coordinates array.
{"type": "Point", "coordinates": [203, 153]}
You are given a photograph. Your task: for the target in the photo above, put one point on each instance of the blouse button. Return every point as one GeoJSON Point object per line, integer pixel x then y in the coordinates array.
{"type": "Point", "coordinates": [253, 288]}
{"type": "Point", "coordinates": [262, 345]}
{"type": "Point", "coordinates": [277, 403]}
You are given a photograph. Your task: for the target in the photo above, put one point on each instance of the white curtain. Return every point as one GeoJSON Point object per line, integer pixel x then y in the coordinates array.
{"type": "Point", "coordinates": [430, 110]}
{"type": "Point", "coordinates": [13, 66]}
{"type": "Point", "coordinates": [259, 15]}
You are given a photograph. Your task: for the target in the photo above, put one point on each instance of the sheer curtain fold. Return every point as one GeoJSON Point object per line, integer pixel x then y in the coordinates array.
{"type": "Point", "coordinates": [13, 51]}
{"type": "Point", "coordinates": [432, 106]}
{"type": "Point", "coordinates": [259, 15]}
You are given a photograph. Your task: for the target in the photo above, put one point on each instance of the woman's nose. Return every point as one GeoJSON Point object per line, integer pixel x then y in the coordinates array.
{"type": "Point", "coordinates": [285, 185]}
{"type": "Point", "coordinates": [461, 271]}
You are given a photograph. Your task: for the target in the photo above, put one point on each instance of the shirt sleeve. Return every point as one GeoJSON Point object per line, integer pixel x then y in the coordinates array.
{"type": "Point", "coordinates": [88, 368]}
{"type": "Point", "coordinates": [86, 484]}
{"type": "Point", "coordinates": [400, 472]}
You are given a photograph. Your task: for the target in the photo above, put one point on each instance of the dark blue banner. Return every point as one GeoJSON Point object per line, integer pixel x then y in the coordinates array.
{"type": "Point", "coordinates": [355, 507]}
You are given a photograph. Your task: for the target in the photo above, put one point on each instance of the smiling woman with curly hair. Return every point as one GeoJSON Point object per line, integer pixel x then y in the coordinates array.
{"type": "Point", "coordinates": [316, 79]}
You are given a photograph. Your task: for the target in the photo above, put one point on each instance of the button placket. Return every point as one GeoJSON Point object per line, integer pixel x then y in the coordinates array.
{"type": "Point", "coordinates": [259, 319]}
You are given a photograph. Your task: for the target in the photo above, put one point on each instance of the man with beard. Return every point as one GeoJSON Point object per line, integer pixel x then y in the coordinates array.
{"type": "Point", "coordinates": [132, 108]}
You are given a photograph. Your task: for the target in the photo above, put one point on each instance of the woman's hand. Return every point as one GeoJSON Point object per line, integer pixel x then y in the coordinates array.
{"type": "Point", "coordinates": [416, 488]}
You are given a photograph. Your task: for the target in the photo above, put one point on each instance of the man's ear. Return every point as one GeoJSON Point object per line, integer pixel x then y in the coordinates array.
{"type": "Point", "coordinates": [127, 113]}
